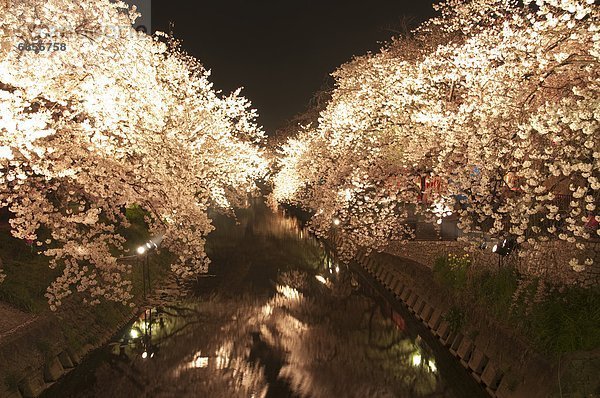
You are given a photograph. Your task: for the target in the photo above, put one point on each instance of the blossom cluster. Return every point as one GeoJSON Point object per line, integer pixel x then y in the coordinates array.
{"type": "Point", "coordinates": [499, 100]}
{"type": "Point", "coordinates": [116, 121]}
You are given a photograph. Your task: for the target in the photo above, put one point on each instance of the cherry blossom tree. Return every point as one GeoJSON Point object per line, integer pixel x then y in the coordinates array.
{"type": "Point", "coordinates": [494, 98]}
{"type": "Point", "coordinates": [116, 119]}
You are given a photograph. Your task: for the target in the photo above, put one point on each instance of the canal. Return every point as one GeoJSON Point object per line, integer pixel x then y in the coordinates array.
{"type": "Point", "coordinates": [276, 317]}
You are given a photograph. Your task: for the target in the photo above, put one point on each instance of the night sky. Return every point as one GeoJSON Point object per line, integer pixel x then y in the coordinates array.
{"type": "Point", "coordinates": [281, 51]}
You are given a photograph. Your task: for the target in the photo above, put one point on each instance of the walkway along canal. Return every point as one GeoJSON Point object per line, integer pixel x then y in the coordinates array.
{"type": "Point", "coordinates": [279, 318]}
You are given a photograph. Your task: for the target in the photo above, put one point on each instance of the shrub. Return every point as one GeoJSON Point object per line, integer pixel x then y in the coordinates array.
{"type": "Point", "coordinates": [495, 290]}
{"type": "Point", "coordinates": [451, 271]}
{"type": "Point", "coordinates": [567, 321]}
{"type": "Point", "coordinates": [455, 318]}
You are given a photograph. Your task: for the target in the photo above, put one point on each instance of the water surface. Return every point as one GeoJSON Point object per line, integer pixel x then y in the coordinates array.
{"type": "Point", "coordinates": [278, 318]}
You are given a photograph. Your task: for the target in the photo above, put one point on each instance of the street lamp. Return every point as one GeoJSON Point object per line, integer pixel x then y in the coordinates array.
{"type": "Point", "coordinates": [503, 249]}
{"type": "Point", "coordinates": [145, 250]}
{"type": "Point", "coordinates": [336, 223]}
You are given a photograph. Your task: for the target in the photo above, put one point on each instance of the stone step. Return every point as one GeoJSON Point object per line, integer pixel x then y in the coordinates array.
{"type": "Point", "coordinates": [53, 370]}
{"type": "Point", "coordinates": [477, 361]}
{"type": "Point", "coordinates": [456, 344]}
{"type": "Point", "coordinates": [491, 376]}
{"type": "Point", "coordinates": [32, 385]}
{"type": "Point", "coordinates": [405, 294]}
{"type": "Point", "coordinates": [434, 321]}
{"type": "Point", "coordinates": [443, 330]}
{"type": "Point", "coordinates": [412, 299]}
{"type": "Point", "coordinates": [419, 304]}
{"type": "Point", "coordinates": [464, 351]}
{"type": "Point", "coordinates": [425, 313]}
{"type": "Point", "coordinates": [65, 360]}
{"type": "Point", "coordinates": [399, 288]}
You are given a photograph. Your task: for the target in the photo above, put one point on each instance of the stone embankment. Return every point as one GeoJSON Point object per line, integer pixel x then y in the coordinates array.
{"type": "Point", "coordinates": [41, 352]}
{"type": "Point", "coordinates": [497, 359]}
{"type": "Point", "coordinates": [34, 356]}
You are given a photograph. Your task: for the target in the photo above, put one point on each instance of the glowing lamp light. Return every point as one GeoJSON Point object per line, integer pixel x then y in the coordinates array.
{"type": "Point", "coordinates": [432, 366]}
{"type": "Point", "coordinates": [134, 334]}
{"type": "Point", "coordinates": [336, 221]}
{"type": "Point", "coordinates": [200, 362]}
{"type": "Point", "coordinates": [416, 360]}
{"type": "Point", "coordinates": [141, 250]}
{"type": "Point", "coordinates": [504, 248]}
{"type": "Point", "coordinates": [145, 354]}
{"type": "Point", "coordinates": [321, 279]}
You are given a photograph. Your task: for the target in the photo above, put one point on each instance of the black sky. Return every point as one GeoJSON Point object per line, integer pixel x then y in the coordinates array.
{"type": "Point", "coordinates": [281, 51]}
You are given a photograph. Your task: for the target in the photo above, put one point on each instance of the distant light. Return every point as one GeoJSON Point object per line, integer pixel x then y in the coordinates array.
{"type": "Point", "coordinates": [134, 334]}
{"type": "Point", "coordinates": [152, 355]}
{"type": "Point", "coordinates": [321, 279]}
{"type": "Point", "coordinates": [141, 250]}
{"type": "Point", "coordinates": [439, 221]}
{"type": "Point", "coordinates": [148, 245]}
{"type": "Point", "coordinates": [495, 248]}
{"type": "Point", "coordinates": [200, 362]}
{"type": "Point", "coordinates": [336, 221]}
{"type": "Point", "coordinates": [144, 354]}
{"type": "Point", "coordinates": [337, 269]}
{"type": "Point", "coordinates": [432, 366]}
{"type": "Point", "coordinates": [288, 292]}
{"type": "Point", "coordinates": [416, 359]}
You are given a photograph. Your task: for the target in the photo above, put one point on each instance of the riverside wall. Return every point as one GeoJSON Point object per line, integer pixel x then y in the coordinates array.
{"type": "Point", "coordinates": [34, 358]}
{"type": "Point", "coordinates": [494, 355]}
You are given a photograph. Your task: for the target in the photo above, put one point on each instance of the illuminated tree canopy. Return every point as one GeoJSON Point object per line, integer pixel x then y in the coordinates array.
{"type": "Point", "coordinates": [498, 100]}
{"type": "Point", "coordinates": [114, 121]}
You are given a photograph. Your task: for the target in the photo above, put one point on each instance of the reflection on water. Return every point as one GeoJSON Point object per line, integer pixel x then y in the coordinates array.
{"type": "Point", "coordinates": [280, 319]}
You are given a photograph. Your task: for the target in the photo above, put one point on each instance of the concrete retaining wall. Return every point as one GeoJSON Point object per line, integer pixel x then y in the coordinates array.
{"type": "Point", "coordinates": [59, 359]}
